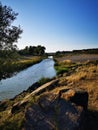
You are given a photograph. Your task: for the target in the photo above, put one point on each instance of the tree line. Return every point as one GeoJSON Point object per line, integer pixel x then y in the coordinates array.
{"type": "Point", "coordinates": [33, 50]}
{"type": "Point", "coordinates": [83, 51]}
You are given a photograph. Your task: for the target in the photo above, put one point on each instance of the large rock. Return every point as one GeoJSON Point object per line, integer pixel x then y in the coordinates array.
{"type": "Point", "coordinates": [77, 96]}
{"type": "Point", "coordinates": [54, 112]}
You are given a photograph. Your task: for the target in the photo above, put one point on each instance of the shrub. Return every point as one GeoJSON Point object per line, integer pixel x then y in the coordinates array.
{"type": "Point", "coordinates": [61, 70]}
{"type": "Point", "coordinates": [43, 81]}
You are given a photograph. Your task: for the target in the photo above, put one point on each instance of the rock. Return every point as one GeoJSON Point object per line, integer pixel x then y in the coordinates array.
{"type": "Point", "coordinates": [77, 96]}
{"type": "Point", "coordinates": [54, 112]}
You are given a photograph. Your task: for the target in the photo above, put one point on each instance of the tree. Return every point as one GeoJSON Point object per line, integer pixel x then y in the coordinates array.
{"type": "Point", "coordinates": [33, 50]}
{"type": "Point", "coordinates": [9, 34]}
{"type": "Point", "coordinates": [40, 50]}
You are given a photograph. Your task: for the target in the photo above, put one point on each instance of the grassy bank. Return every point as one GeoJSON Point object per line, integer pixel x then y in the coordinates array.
{"type": "Point", "coordinates": [78, 76]}
{"type": "Point", "coordinates": [64, 67]}
{"type": "Point", "coordinates": [84, 76]}
{"type": "Point", "coordinates": [9, 66]}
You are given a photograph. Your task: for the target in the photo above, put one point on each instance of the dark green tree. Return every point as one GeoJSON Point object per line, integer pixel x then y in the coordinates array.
{"type": "Point", "coordinates": [9, 34]}
{"type": "Point", "coordinates": [40, 50]}
{"type": "Point", "coordinates": [33, 50]}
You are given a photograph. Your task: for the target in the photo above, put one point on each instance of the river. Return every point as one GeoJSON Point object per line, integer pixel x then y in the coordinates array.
{"type": "Point", "coordinates": [12, 86]}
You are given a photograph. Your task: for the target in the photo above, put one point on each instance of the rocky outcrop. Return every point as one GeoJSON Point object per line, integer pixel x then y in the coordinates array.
{"type": "Point", "coordinates": [77, 96]}
{"type": "Point", "coordinates": [62, 111]}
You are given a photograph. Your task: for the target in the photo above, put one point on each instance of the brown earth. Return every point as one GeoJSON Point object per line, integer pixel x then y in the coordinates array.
{"type": "Point", "coordinates": [79, 57]}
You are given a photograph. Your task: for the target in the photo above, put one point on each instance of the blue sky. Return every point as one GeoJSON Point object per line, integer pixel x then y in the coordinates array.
{"type": "Point", "coordinates": [57, 24]}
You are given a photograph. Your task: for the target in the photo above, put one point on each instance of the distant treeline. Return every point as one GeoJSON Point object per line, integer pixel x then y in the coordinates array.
{"type": "Point", "coordinates": [33, 50]}
{"type": "Point", "coordinates": [40, 51]}
{"type": "Point", "coordinates": [83, 51]}
{"type": "Point", "coordinates": [87, 51]}
{"type": "Point", "coordinates": [28, 50]}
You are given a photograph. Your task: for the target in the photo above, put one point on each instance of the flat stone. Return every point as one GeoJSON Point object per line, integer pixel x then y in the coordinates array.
{"type": "Point", "coordinates": [53, 112]}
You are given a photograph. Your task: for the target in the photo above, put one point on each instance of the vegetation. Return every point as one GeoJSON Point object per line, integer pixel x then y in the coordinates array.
{"type": "Point", "coordinates": [61, 70]}
{"type": "Point", "coordinates": [62, 67]}
{"type": "Point", "coordinates": [13, 123]}
{"type": "Point", "coordinates": [10, 66]}
{"type": "Point", "coordinates": [43, 81]}
{"type": "Point", "coordinates": [83, 51]}
{"type": "Point", "coordinates": [9, 34]}
{"type": "Point", "coordinates": [33, 50]}
{"type": "Point", "coordinates": [12, 60]}
{"type": "Point", "coordinates": [85, 77]}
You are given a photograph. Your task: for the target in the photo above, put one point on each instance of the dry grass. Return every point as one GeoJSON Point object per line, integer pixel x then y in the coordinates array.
{"type": "Point", "coordinates": [66, 62]}
{"type": "Point", "coordinates": [86, 78]}
{"type": "Point", "coordinates": [29, 59]}
{"type": "Point", "coordinates": [84, 72]}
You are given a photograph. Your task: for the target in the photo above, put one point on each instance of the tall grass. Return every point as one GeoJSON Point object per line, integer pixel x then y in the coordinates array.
{"type": "Point", "coordinates": [9, 66]}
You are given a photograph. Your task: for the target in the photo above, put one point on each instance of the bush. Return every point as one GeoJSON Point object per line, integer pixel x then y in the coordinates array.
{"type": "Point", "coordinates": [61, 70]}
{"type": "Point", "coordinates": [43, 81]}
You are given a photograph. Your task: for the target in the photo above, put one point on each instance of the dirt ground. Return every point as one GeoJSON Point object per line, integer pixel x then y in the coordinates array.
{"type": "Point", "coordinates": [79, 58]}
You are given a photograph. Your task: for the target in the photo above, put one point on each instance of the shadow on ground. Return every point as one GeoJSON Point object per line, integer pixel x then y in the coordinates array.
{"type": "Point", "coordinates": [91, 122]}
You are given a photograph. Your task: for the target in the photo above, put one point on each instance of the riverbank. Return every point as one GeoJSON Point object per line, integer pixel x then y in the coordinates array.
{"type": "Point", "coordinates": [14, 85]}
{"type": "Point", "coordinates": [83, 75]}
{"type": "Point", "coordinates": [8, 67]}
{"type": "Point", "coordinates": [38, 100]}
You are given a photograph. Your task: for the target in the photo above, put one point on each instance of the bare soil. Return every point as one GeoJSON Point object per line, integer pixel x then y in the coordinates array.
{"type": "Point", "coordinates": [79, 58]}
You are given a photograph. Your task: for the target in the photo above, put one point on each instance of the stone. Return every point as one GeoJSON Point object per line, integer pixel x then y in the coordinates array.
{"type": "Point", "coordinates": [77, 96]}
{"type": "Point", "coordinates": [54, 112]}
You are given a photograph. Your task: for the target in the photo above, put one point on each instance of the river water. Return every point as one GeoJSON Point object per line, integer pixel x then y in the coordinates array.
{"type": "Point", "coordinates": [10, 87]}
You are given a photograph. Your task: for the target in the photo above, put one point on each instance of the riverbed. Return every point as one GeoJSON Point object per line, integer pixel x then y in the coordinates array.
{"type": "Point", "coordinates": [12, 86]}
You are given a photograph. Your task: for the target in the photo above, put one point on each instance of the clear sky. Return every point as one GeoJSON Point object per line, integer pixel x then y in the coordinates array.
{"type": "Point", "coordinates": [57, 24]}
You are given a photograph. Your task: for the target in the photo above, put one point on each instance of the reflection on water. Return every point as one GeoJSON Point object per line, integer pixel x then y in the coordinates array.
{"type": "Point", "coordinates": [12, 86]}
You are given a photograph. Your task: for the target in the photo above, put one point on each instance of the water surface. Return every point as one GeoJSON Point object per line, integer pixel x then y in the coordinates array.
{"type": "Point", "coordinates": [10, 87]}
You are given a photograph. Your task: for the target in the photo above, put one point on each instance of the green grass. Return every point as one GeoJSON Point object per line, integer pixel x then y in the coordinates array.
{"type": "Point", "coordinates": [61, 67]}
{"type": "Point", "coordinates": [43, 81]}
{"type": "Point", "coordinates": [64, 66]}
{"type": "Point", "coordinates": [61, 70]}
